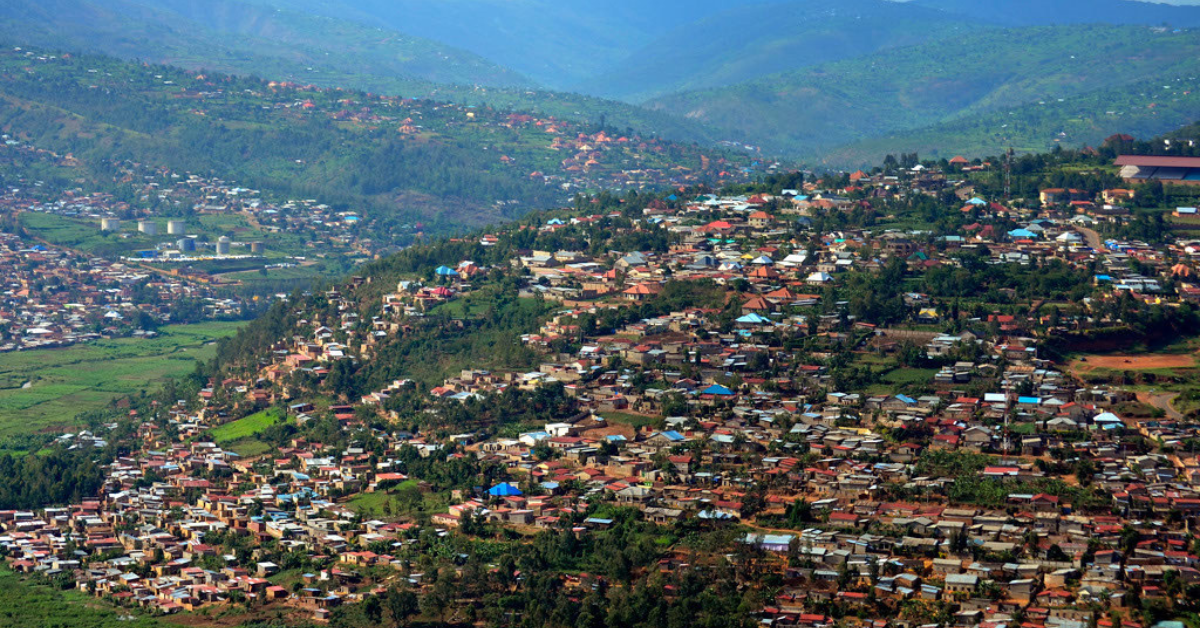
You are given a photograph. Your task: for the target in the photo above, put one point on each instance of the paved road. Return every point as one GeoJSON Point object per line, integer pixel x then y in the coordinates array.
{"type": "Point", "coordinates": [1093, 238]}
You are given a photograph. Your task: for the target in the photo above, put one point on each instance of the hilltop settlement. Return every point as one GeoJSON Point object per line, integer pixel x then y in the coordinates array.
{"type": "Point", "coordinates": [871, 399]}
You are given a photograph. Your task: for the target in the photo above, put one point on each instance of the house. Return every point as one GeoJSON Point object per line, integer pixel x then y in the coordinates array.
{"type": "Point", "coordinates": [961, 583]}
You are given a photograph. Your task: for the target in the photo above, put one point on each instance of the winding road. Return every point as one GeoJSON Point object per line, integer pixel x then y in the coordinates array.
{"type": "Point", "coordinates": [1162, 401]}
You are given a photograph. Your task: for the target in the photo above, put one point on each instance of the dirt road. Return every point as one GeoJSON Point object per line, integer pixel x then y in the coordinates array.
{"type": "Point", "coordinates": [1162, 401]}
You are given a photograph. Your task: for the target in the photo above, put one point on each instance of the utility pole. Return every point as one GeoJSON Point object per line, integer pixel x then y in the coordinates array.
{"type": "Point", "coordinates": [1008, 157]}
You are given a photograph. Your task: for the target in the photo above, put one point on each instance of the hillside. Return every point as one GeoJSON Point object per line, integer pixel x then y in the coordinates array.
{"type": "Point", "coordinates": [810, 111]}
{"type": "Point", "coordinates": [236, 36]}
{"type": "Point", "coordinates": [717, 50]}
{"type": "Point", "coordinates": [251, 38]}
{"type": "Point", "coordinates": [556, 43]}
{"type": "Point", "coordinates": [1040, 12]}
{"type": "Point", "coordinates": [1143, 110]}
{"type": "Point", "coordinates": [396, 160]}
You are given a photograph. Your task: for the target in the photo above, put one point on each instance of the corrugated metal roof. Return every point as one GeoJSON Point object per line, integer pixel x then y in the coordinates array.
{"type": "Point", "coordinates": [1153, 161]}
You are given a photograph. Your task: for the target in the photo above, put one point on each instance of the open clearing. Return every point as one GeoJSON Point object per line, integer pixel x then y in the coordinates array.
{"type": "Point", "coordinates": [23, 603]}
{"type": "Point", "coordinates": [44, 390]}
{"type": "Point", "coordinates": [1090, 363]}
{"type": "Point", "coordinates": [239, 435]}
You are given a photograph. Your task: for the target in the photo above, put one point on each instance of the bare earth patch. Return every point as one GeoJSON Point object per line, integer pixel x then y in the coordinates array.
{"type": "Point", "coordinates": [1134, 362]}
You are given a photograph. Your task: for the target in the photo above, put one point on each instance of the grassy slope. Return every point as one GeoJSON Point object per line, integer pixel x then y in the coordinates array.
{"type": "Point", "coordinates": [245, 427]}
{"type": "Point", "coordinates": [39, 606]}
{"type": "Point", "coordinates": [809, 111]}
{"type": "Point", "coordinates": [1029, 12]}
{"type": "Point", "coordinates": [68, 381]}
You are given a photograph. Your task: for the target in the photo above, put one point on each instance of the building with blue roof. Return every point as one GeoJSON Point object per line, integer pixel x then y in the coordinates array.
{"type": "Point", "coordinates": [753, 319]}
{"type": "Point", "coordinates": [504, 489]}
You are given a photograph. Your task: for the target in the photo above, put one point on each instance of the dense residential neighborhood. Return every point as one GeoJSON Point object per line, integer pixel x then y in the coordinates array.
{"type": "Point", "coordinates": [54, 297]}
{"type": "Point", "coordinates": [620, 314]}
{"type": "Point", "coordinates": [899, 452]}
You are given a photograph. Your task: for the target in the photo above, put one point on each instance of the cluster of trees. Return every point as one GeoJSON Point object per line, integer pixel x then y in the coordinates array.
{"type": "Point", "coordinates": [1054, 280]}
{"type": "Point", "coordinates": [523, 585]}
{"type": "Point", "coordinates": [59, 477]}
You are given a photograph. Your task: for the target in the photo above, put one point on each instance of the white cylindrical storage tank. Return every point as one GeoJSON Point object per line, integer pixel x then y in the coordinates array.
{"type": "Point", "coordinates": [177, 227]}
{"type": "Point", "coordinates": [148, 227]}
{"type": "Point", "coordinates": [110, 224]}
{"type": "Point", "coordinates": [223, 244]}
{"type": "Point", "coordinates": [257, 248]}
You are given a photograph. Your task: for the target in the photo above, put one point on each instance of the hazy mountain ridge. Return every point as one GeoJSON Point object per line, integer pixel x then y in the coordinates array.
{"type": "Point", "coordinates": [556, 43]}
{"type": "Point", "coordinates": [232, 35]}
{"type": "Point", "coordinates": [1145, 110]}
{"type": "Point", "coordinates": [809, 111]}
{"type": "Point", "coordinates": [1044, 12]}
{"type": "Point", "coordinates": [749, 42]}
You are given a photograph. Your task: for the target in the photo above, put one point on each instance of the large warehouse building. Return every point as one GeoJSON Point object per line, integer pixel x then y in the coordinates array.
{"type": "Point", "coordinates": [1169, 170]}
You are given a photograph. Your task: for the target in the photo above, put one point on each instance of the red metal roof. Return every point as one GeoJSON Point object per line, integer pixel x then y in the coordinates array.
{"type": "Point", "coordinates": [1152, 161]}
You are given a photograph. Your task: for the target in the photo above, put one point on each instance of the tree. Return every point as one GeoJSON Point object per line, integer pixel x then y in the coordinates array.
{"type": "Point", "coordinates": [401, 605]}
{"type": "Point", "coordinates": [373, 609]}
{"type": "Point", "coordinates": [435, 603]}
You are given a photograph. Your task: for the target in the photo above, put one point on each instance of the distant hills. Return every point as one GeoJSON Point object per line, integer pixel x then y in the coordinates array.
{"type": "Point", "coordinates": [1144, 109]}
{"type": "Point", "coordinates": [254, 37]}
{"type": "Point", "coordinates": [748, 42]}
{"type": "Point", "coordinates": [559, 43]}
{"type": "Point", "coordinates": [1046, 12]}
{"type": "Point", "coordinates": [812, 111]}
{"type": "Point", "coordinates": [822, 81]}
{"type": "Point", "coordinates": [237, 36]}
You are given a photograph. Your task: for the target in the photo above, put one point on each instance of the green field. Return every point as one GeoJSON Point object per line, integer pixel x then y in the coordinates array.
{"type": "Point", "coordinates": [246, 427]}
{"type": "Point", "coordinates": [39, 606]}
{"type": "Point", "coordinates": [903, 376]}
{"type": "Point", "coordinates": [405, 499]}
{"type": "Point", "coordinates": [63, 383]}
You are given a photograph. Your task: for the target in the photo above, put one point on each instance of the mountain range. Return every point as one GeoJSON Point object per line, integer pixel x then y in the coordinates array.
{"type": "Point", "coordinates": [814, 80]}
